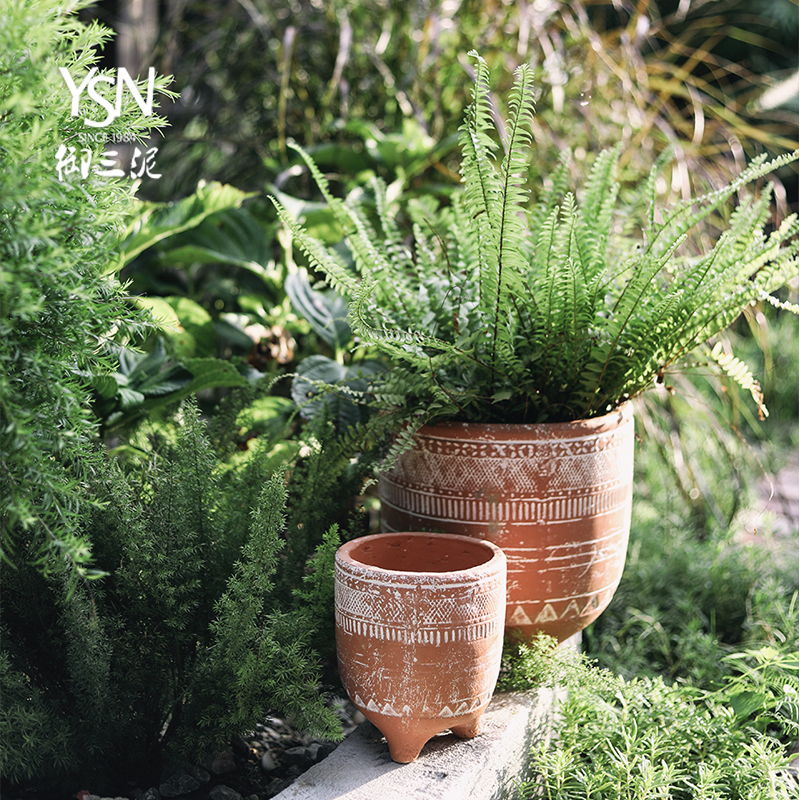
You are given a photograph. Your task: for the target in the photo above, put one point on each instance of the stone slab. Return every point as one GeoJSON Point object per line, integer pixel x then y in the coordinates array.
{"type": "Point", "coordinates": [483, 768]}
{"type": "Point", "coordinates": [448, 768]}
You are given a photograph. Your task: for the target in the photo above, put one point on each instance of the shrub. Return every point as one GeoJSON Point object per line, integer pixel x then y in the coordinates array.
{"type": "Point", "coordinates": [183, 644]}
{"type": "Point", "coordinates": [57, 305]}
{"type": "Point", "coordinates": [653, 740]}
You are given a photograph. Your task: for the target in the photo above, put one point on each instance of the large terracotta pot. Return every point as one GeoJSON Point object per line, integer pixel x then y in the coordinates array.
{"type": "Point", "coordinates": [419, 633]}
{"type": "Point", "coordinates": [556, 497]}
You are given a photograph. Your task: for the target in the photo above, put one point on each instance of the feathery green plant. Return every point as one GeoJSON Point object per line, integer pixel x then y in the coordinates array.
{"type": "Point", "coordinates": [60, 303]}
{"type": "Point", "coordinates": [513, 306]}
{"type": "Point", "coordinates": [184, 642]}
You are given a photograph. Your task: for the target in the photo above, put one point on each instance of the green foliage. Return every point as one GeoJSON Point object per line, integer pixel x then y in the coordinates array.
{"type": "Point", "coordinates": [145, 383]}
{"type": "Point", "coordinates": [542, 663]}
{"type": "Point", "coordinates": [505, 309]}
{"type": "Point", "coordinates": [316, 594]}
{"type": "Point", "coordinates": [256, 660]}
{"type": "Point", "coordinates": [326, 312]}
{"type": "Point", "coordinates": [341, 388]}
{"type": "Point", "coordinates": [704, 642]}
{"type": "Point", "coordinates": [324, 487]}
{"type": "Point", "coordinates": [203, 249]}
{"type": "Point", "coordinates": [183, 643]}
{"type": "Point", "coordinates": [685, 603]}
{"type": "Point", "coordinates": [155, 222]}
{"type": "Point", "coordinates": [58, 304]}
{"type": "Point", "coordinates": [651, 740]}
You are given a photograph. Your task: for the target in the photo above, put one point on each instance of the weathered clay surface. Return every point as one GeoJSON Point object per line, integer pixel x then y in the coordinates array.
{"type": "Point", "coordinates": [419, 633]}
{"type": "Point", "coordinates": [555, 497]}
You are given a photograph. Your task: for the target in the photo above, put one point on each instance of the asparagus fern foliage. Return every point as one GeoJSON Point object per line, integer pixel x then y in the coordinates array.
{"type": "Point", "coordinates": [508, 306]}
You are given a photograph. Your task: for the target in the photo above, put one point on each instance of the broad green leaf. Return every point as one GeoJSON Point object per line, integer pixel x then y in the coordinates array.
{"type": "Point", "coordinates": [232, 332]}
{"type": "Point", "coordinates": [197, 337]}
{"type": "Point", "coordinates": [232, 236]}
{"type": "Point", "coordinates": [157, 221]}
{"type": "Point", "coordinates": [106, 385]}
{"type": "Point", "coordinates": [163, 315]}
{"type": "Point", "coordinates": [211, 373]}
{"type": "Point", "coordinates": [267, 416]}
{"type": "Point", "coordinates": [128, 398]}
{"type": "Point", "coordinates": [136, 365]}
{"type": "Point", "coordinates": [320, 380]}
{"type": "Point", "coordinates": [326, 312]}
{"type": "Point", "coordinates": [746, 703]}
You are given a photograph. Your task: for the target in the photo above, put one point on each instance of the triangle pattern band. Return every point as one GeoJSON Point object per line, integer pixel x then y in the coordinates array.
{"type": "Point", "coordinates": [519, 617]}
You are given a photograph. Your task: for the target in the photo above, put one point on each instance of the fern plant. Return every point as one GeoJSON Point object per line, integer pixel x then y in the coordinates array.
{"type": "Point", "coordinates": [509, 305]}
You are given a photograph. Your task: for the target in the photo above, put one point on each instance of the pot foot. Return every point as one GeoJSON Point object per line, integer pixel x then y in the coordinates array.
{"type": "Point", "coordinates": [469, 731]}
{"type": "Point", "coordinates": [405, 749]}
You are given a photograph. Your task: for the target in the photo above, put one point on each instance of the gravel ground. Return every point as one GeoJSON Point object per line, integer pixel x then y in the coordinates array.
{"type": "Point", "coordinates": [774, 519]}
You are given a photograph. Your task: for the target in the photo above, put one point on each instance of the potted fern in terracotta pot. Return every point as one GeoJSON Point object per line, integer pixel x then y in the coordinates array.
{"type": "Point", "coordinates": [517, 325]}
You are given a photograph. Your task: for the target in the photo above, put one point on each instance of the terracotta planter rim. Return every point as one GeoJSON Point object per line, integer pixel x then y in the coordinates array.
{"type": "Point", "coordinates": [495, 561]}
{"type": "Point", "coordinates": [574, 429]}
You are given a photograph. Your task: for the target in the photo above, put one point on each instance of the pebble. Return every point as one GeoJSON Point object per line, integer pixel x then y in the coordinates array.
{"type": "Point", "coordinates": [222, 792]}
{"type": "Point", "coordinates": [223, 763]}
{"type": "Point", "coordinates": [282, 751]}
{"type": "Point", "coordinates": [199, 774]}
{"type": "Point", "coordinates": [295, 756]}
{"type": "Point", "coordinates": [180, 782]}
{"type": "Point", "coordinates": [268, 762]}
{"type": "Point", "coordinates": [85, 796]}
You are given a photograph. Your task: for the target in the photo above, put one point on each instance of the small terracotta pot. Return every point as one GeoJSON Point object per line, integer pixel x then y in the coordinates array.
{"type": "Point", "coordinates": [419, 633]}
{"type": "Point", "coordinates": [556, 497]}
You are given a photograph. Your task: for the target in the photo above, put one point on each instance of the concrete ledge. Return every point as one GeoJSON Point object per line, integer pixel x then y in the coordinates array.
{"type": "Point", "coordinates": [483, 768]}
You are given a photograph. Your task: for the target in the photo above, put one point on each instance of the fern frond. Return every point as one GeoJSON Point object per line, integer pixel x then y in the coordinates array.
{"type": "Point", "coordinates": [370, 258]}
{"type": "Point", "coordinates": [543, 263]}
{"type": "Point", "coordinates": [607, 347]}
{"type": "Point", "coordinates": [560, 273]}
{"type": "Point", "coordinates": [739, 371]}
{"type": "Point", "coordinates": [392, 238]}
{"type": "Point", "coordinates": [316, 174]}
{"type": "Point", "coordinates": [644, 349]}
{"type": "Point", "coordinates": [509, 223]}
{"type": "Point", "coordinates": [482, 188]}
{"type": "Point", "coordinates": [792, 308]}
{"type": "Point", "coordinates": [596, 212]}
{"type": "Point", "coordinates": [562, 310]}
{"type": "Point", "coordinates": [681, 219]}
{"type": "Point", "coordinates": [322, 259]}
{"type": "Point", "coordinates": [752, 267]}
{"type": "Point", "coordinates": [394, 340]}
{"type": "Point", "coordinates": [555, 188]}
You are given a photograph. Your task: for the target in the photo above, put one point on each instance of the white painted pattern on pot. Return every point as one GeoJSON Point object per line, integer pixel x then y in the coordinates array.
{"type": "Point", "coordinates": [452, 611]}
{"type": "Point", "coordinates": [521, 509]}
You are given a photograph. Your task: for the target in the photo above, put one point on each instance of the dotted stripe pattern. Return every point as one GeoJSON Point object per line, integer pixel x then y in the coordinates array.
{"type": "Point", "coordinates": [523, 509]}
{"type": "Point", "coordinates": [432, 636]}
